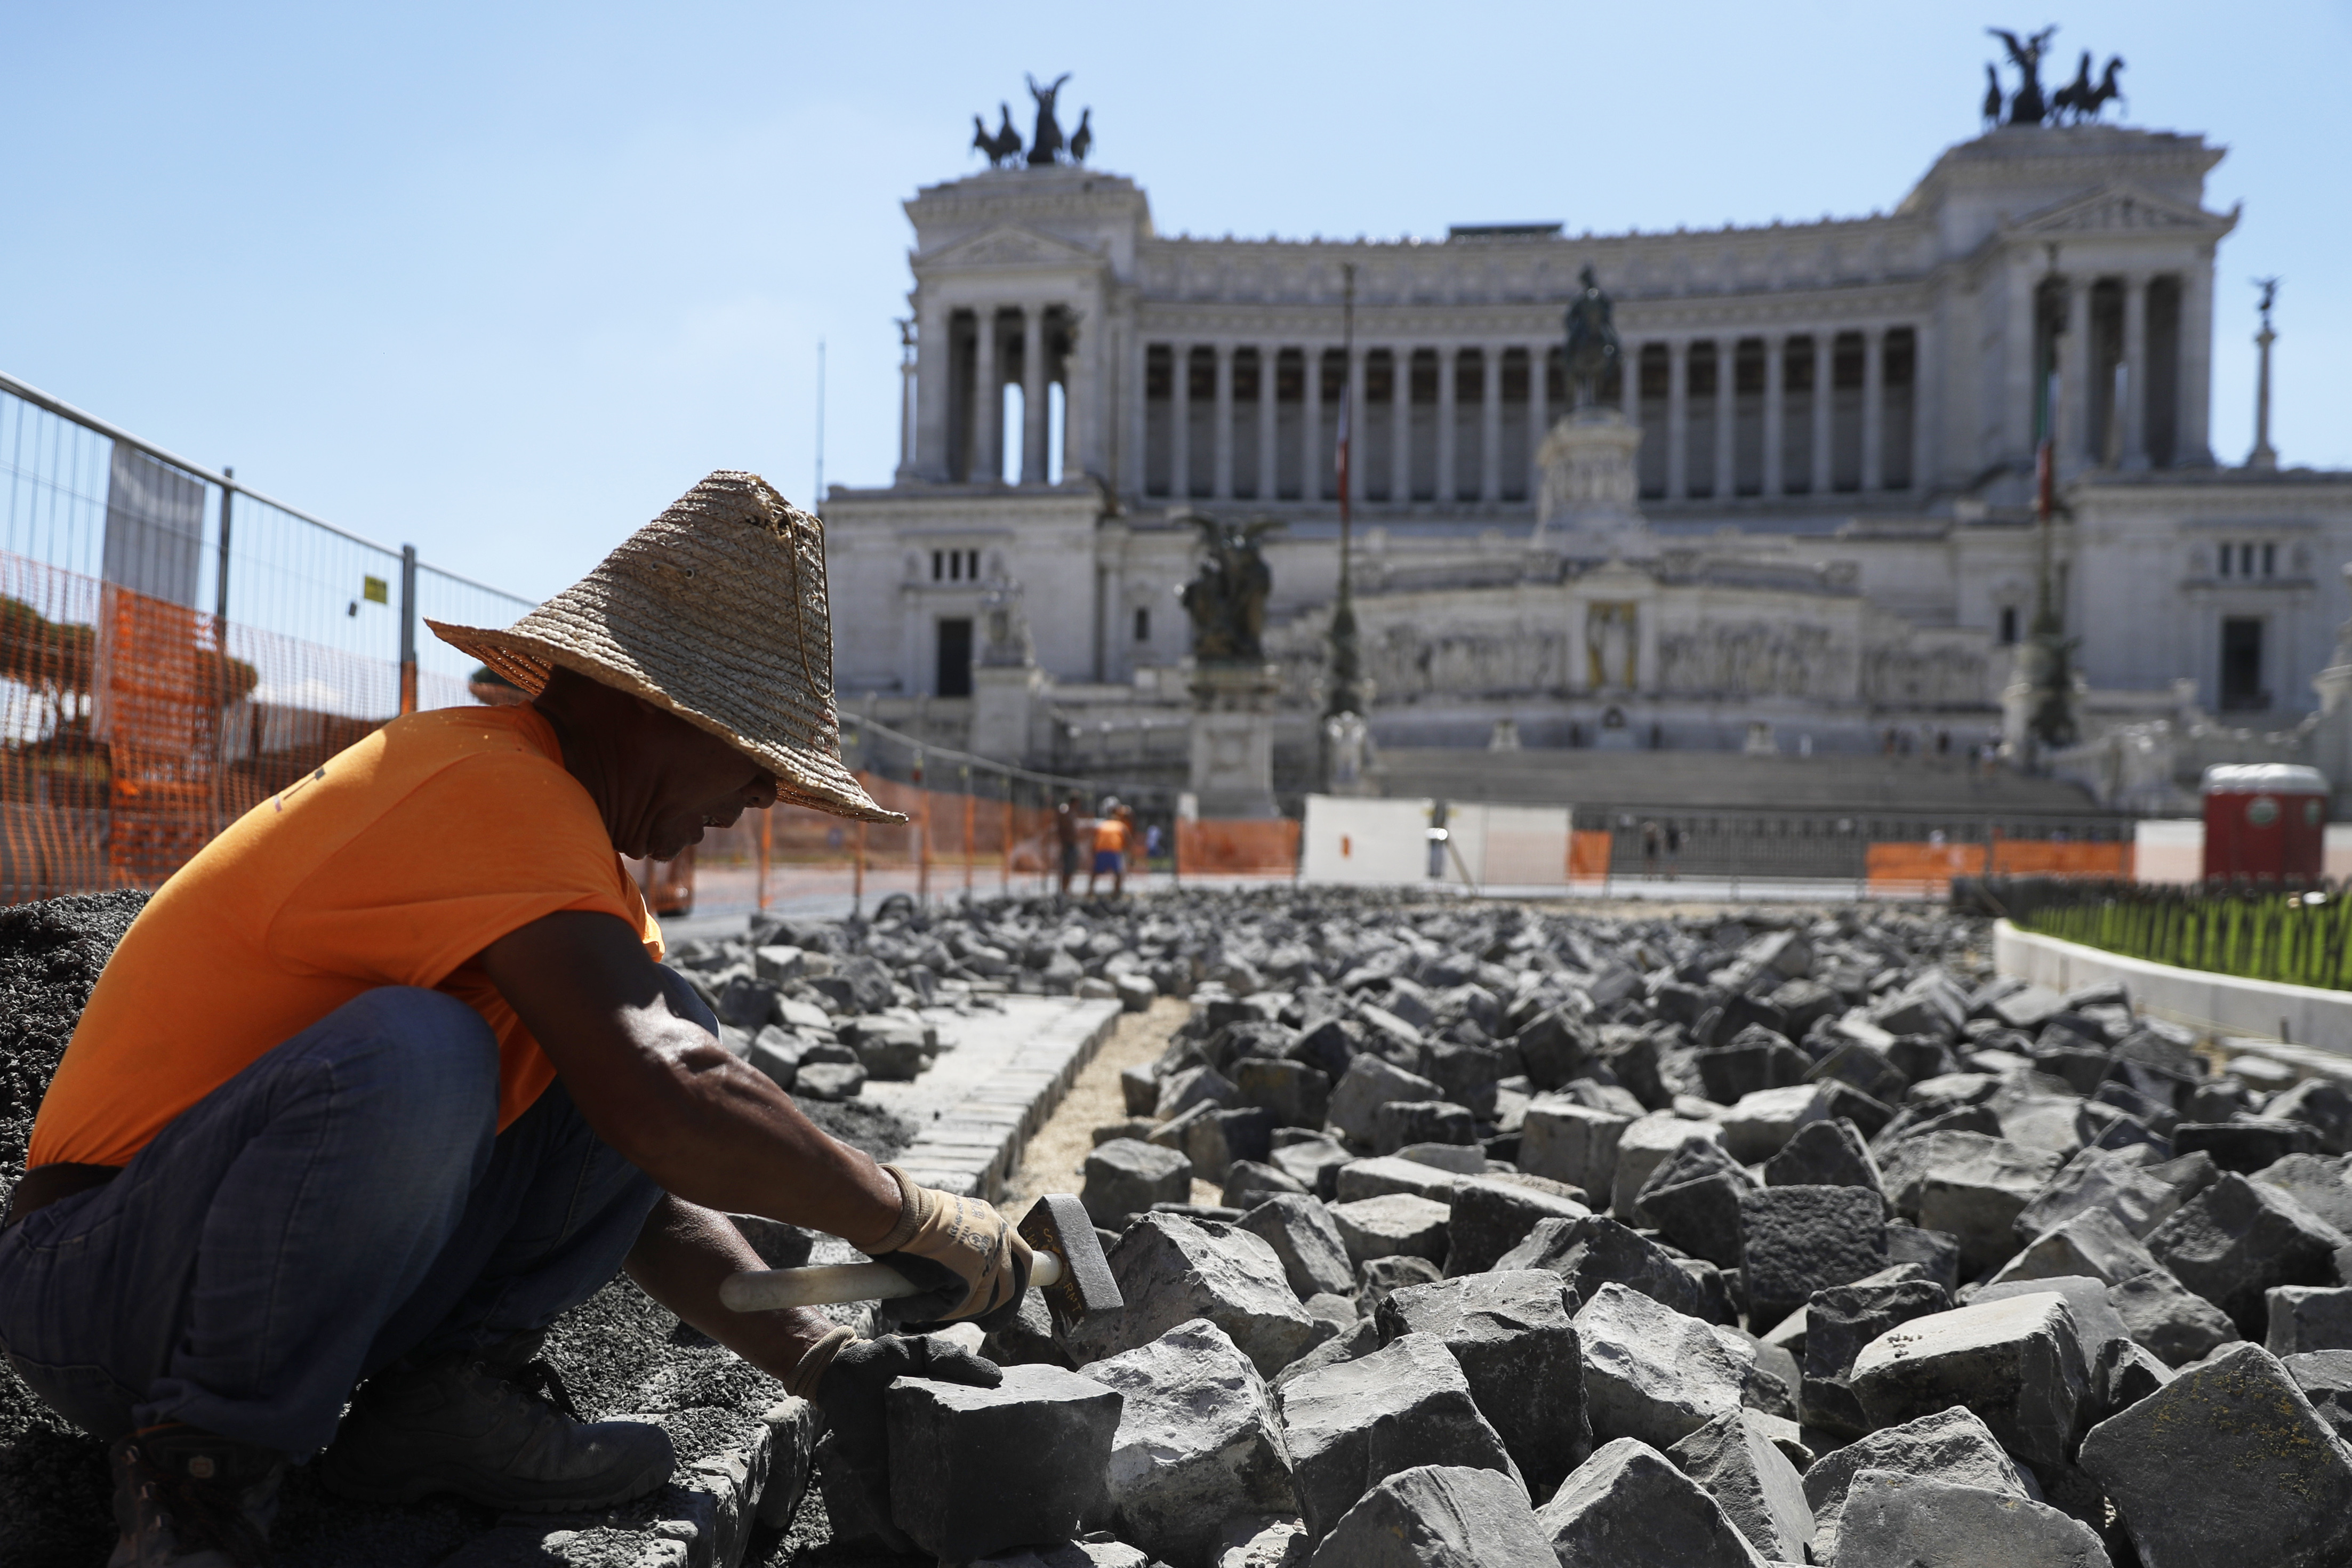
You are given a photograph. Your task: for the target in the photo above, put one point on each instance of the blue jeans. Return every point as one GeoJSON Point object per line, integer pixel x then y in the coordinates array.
{"type": "Point", "coordinates": [344, 1202]}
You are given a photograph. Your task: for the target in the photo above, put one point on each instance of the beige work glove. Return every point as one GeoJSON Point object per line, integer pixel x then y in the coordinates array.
{"type": "Point", "coordinates": [968, 1261]}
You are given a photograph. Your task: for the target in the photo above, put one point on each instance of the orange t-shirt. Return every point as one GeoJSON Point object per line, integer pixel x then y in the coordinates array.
{"type": "Point", "coordinates": [1110, 836]}
{"type": "Point", "coordinates": [394, 864]}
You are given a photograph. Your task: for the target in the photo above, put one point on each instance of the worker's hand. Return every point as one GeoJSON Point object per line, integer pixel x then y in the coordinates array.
{"type": "Point", "coordinates": [968, 1262]}
{"type": "Point", "coordinates": [850, 1394]}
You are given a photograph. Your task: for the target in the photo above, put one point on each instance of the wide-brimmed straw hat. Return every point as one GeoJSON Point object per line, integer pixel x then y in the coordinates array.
{"type": "Point", "coordinates": [715, 611]}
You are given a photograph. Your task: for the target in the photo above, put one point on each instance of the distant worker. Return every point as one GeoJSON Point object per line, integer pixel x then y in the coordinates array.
{"type": "Point", "coordinates": [1066, 818]}
{"type": "Point", "coordinates": [1110, 849]}
{"type": "Point", "coordinates": [1653, 841]}
{"type": "Point", "coordinates": [1674, 851]}
{"type": "Point", "coordinates": [391, 1075]}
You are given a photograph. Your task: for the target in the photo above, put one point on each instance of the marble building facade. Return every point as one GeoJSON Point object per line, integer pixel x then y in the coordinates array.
{"type": "Point", "coordinates": [1833, 473]}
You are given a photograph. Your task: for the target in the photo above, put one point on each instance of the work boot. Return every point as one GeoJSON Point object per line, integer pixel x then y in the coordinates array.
{"type": "Point", "coordinates": [184, 1497]}
{"type": "Point", "coordinates": [494, 1426]}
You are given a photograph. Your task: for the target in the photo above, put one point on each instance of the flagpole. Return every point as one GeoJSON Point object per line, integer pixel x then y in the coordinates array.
{"type": "Point", "coordinates": [1344, 694]}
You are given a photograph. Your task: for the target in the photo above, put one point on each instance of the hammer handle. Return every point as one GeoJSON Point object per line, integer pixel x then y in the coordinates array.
{"type": "Point", "coordinates": [766, 1290]}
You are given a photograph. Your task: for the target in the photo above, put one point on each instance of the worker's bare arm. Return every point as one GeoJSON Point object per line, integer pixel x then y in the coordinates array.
{"type": "Point", "coordinates": [666, 1095]}
{"type": "Point", "coordinates": [681, 1257]}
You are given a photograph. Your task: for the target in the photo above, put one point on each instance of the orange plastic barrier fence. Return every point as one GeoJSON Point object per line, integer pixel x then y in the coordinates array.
{"type": "Point", "coordinates": [1930, 868]}
{"type": "Point", "coordinates": [1219, 847]}
{"type": "Point", "coordinates": [129, 735]}
{"type": "Point", "coordinates": [1588, 854]}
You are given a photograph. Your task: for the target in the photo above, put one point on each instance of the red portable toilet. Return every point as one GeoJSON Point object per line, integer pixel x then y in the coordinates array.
{"type": "Point", "coordinates": [2266, 822]}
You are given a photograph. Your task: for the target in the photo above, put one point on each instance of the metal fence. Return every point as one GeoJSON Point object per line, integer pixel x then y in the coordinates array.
{"type": "Point", "coordinates": [83, 494]}
{"type": "Point", "coordinates": [175, 645]}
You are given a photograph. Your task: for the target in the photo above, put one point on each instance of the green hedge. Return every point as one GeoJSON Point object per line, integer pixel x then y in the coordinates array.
{"type": "Point", "coordinates": [2298, 935]}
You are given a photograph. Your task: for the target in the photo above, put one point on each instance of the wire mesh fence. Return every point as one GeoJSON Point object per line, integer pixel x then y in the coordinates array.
{"type": "Point", "coordinates": [974, 828]}
{"type": "Point", "coordinates": [174, 647]}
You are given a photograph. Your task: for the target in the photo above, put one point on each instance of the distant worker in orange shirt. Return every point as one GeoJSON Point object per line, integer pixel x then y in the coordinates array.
{"type": "Point", "coordinates": [1111, 832]}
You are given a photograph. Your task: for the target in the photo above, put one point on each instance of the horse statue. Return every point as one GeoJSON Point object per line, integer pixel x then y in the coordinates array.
{"type": "Point", "coordinates": [1083, 138]}
{"type": "Point", "coordinates": [2075, 100]}
{"type": "Point", "coordinates": [2084, 98]}
{"type": "Point", "coordinates": [2109, 88]}
{"type": "Point", "coordinates": [2027, 106]}
{"type": "Point", "coordinates": [1045, 144]}
{"type": "Point", "coordinates": [1001, 147]}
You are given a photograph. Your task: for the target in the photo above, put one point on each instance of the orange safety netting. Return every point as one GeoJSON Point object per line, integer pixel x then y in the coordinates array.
{"type": "Point", "coordinates": [1588, 854]}
{"type": "Point", "coordinates": [129, 736]}
{"type": "Point", "coordinates": [952, 842]}
{"type": "Point", "coordinates": [1930, 868]}
{"type": "Point", "coordinates": [1236, 847]}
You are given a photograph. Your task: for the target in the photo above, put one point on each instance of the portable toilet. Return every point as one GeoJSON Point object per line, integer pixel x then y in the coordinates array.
{"type": "Point", "coordinates": [2266, 822]}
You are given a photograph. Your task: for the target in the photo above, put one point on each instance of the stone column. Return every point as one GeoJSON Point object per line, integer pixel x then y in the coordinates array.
{"type": "Point", "coordinates": [1180, 423]}
{"type": "Point", "coordinates": [1268, 358]}
{"type": "Point", "coordinates": [1078, 400]}
{"type": "Point", "coordinates": [1490, 426]}
{"type": "Point", "coordinates": [2077, 446]}
{"type": "Point", "coordinates": [1135, 378]}
{"type": "Point", "coordinates": [1928, 383]}
{"type": "Point", "coordinates": [1629, 365]}
{"type": "Point", "coordinates": [1538, 415]}
{"type": "Point", "coordinates": [1449, 457]}
{"type": "Point", "coordinates": [1677, 420]}
{"type": "Point", "coordinates": [1220, 466]}
{"type": "Point", "coordinates": [934, 371]}
{"type": "Point", "coordinates": [1314, 461]}
{"type": "Point", "coordinates": [1033, 423]}
{"type": "Point", "coordinates": [2135, 387]}
{"type": "Point", "coordinates": [1399, 426]}
{"type": "Point", "coordinates": [1775, 395]}
{"type": "Point", "coordinates": [1874, 408]}
{"type": "Point", "coordinates": [906, 411]}
{"type": "Point", "coordinates": [988, 402]}
{"type": "Point", "coordinates": [2194, 447]}
{"type": "Point", "coordinates": [1726, 363]}
{"type": "Point", "coordinates": [1823, 362]}
{"type": "Point", "coordinates": [1356, 421]}
{"type": "Point", "coordinates": [2021, 363]}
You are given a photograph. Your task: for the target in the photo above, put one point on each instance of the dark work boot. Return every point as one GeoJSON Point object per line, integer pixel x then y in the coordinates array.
{"type": "Point", "coordinates": [184, 1497]}
{"type": "Point", "coordinates": [495, 1427]}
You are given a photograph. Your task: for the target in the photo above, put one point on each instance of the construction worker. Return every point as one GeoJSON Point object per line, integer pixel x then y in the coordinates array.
{"type": "Point", "coordinates": [390, 1075]}
{"type": "Point", "coordinates": [1111, 832]}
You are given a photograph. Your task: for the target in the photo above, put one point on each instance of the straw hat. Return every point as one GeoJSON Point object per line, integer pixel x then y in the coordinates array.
{"type": "Point", "coordinates": [716, 611]}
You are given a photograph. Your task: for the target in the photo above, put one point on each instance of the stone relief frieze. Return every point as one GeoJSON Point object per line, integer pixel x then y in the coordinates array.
{"type": "Point", "coordinates": [1755, 659]}
{"type": "Point", "coordinates": [1932, 676]}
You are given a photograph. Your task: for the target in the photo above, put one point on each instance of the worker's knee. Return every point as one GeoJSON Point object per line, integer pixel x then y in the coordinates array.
{"type": "Point", "coordinates": [409, 1058]}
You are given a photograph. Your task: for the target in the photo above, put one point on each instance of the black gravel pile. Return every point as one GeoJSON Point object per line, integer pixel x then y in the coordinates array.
{"type": "Point", "coordinates": [53, 1486]}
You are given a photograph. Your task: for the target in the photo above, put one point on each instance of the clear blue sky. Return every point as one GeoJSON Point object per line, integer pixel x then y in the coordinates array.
{"type": "Point", "coordinates": [500, 280]}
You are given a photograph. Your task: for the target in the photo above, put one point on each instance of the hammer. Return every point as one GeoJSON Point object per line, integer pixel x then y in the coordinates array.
{"type": "Point", "coordinates": [1069, 1267]}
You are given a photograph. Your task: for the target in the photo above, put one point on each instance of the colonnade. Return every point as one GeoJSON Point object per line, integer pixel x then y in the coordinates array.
{"type": "Point", "coordinates": [1719, 432]}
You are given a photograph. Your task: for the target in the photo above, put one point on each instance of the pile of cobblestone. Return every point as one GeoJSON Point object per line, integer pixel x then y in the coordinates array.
{"type": "Point", "coordinates": [1542, 1237]}
{"type": "Point", "coordinates": [1552, 1239]}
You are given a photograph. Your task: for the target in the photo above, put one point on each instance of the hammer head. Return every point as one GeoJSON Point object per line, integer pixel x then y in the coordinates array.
{"type": "Point", "coordinates": [1059, 1223]}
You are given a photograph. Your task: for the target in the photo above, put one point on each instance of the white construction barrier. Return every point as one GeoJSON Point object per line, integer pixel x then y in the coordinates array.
{"type": "Point", "coordinates": [1507, 846]}
{"type": "Point", "coordinates": [1351, 838]}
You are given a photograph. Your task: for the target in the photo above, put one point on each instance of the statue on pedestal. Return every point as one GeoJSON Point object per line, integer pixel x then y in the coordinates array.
{"type": "Point", "coordinates": [1592, 346]}
{"type": "Point", "coordinates": [1226, 599]}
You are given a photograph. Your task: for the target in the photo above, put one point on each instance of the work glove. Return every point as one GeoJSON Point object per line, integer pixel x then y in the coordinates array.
{"type": "Point", "coordinates": [968, 1262]}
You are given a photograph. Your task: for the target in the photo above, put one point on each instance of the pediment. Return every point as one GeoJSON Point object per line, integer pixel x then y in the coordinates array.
{"type": "Point", "coordinates": [1009, 245]}
{"type": "Point", "coordinates": [2121, 209]}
